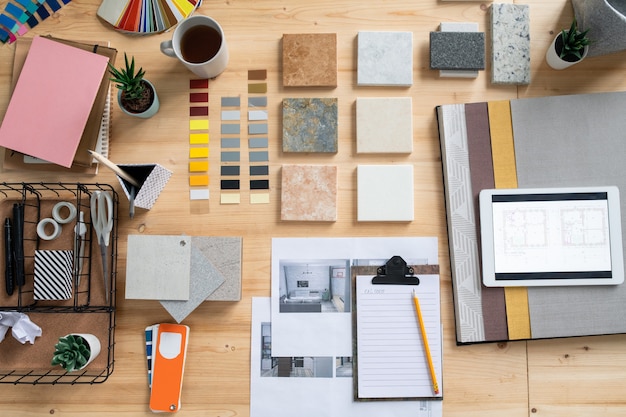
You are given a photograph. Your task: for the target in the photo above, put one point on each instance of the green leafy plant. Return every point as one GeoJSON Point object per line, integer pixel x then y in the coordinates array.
{"type": "Point", "coordinates": [574, 41]}
{"type": "Point", "coordinates": [71, 352]}
{"type": "Point", "coordinates": [129, 81]}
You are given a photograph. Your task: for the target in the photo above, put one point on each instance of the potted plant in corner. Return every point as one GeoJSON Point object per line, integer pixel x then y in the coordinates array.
{"type": "Point", "coordinates": [136, 96]}
{"type": "Point", "coordinates": [75, 351]}
{"type": "Point", "coordinates": [568, 48]}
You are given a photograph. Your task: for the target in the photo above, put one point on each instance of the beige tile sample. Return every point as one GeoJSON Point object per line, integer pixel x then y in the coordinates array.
{"type": "Point", "coordinates": [309, 193]}
{"type": "Point", "coordinates": [384, 125]}
{"type": "Point", "coordinates": [385, 193]}
{"type": "Point", "coordinates": [310, 60]}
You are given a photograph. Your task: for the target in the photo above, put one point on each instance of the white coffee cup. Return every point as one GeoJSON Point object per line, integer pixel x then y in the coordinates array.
{"type": "Point", "coordinates": [195, 43]}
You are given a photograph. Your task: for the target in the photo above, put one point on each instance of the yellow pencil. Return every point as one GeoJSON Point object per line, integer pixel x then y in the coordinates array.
{"type": "Point", "coordinates": [429, 358]}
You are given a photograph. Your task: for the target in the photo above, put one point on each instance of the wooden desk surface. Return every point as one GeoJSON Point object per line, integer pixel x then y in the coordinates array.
{"type": "Point", "coordinates": [572, 377]}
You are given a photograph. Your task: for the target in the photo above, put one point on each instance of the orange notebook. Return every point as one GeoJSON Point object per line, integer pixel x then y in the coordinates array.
{"type": "Point", "coordinates": [52, 101]}
{"type": "Point", "coordinates": [168, 365]}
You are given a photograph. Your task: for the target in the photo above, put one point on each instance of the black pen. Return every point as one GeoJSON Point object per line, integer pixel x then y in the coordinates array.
{"type": "Point", "coordinates": [18, 243]}
{"type": "Point", "coordinates": [8, 256]}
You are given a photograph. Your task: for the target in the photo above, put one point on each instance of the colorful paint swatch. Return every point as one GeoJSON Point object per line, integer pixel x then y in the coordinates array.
{"type": "Point", "coordinates": [198, 111]}
{"type": "Point", "coordinates": [199, 194]}
{"type": "Point", "coordinates": [259, 170]}
{"type": "Point", "coordinates": [229, 184]}
{"type": "Point", "coordinates": [198, 180]}
{"type": "Point", "coordinates": [257, 143]}
{"type": "Point", "coordinates": [199, 152]}
{"type": "Point", "coordinates": [198, 166]}
{"type": "Point", "coordinates": [230, 142]}
{"type": "Point", "coordinates": [198, 124]}
{"type": "Point", "coordinates": [199, 97]}
{"type": "Point", "coordinates": [199, 83]}
{"type": "Point", "coordinates": [259, 156]}
{"type": "Point", "coordinates": [257, 129]}
{"type": "Point", "coordinates": [230, 129]}
{"type": "Point", "coordinates": [231, 101]}
{"type": "Point", "coordinates": [257, 101]}
{"type": "Point", "coordinates": [230, 170]}
{"type": "Point", "coordinates": [254, 115]}
{"type": "Point", "coordinates": [259, 184]}
{"type": "Point", "coordinates": [259, 198]}
{"type": "Point", "coordinates": [257, 75]}
{"type": "Point", "coordinates": [230, 156]}
{"type": "Point", "coordinates": [198, 138]}
{"type": "Point", "coordinates": [146, 16]}
{"type": "Point", "coordinates": [257, 88]}
{"type": "Point", "coordinates": [231, 114]}
{"type": "Point", "coordinates": [230, 198]}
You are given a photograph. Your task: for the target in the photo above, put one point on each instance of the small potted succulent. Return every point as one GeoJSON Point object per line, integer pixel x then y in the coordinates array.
{"type": "Point", "coordinates": [568, 47]}
{"type": "Point", "coordinates": [75, 351]}
{"type": "Point", "coordinates": [136, 96]}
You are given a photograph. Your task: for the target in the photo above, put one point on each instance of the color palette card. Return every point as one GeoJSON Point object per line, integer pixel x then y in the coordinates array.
{"type": "Point", "coordinates": [146, 16]}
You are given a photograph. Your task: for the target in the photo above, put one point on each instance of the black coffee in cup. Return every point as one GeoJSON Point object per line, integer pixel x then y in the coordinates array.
{"type": "Point", "coordinates": [200, 43]}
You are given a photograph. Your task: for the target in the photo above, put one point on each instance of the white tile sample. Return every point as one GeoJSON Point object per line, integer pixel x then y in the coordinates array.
{"type": "Point", "coordinates": [458, 27]}
{"type": "Point", "coordinates": [385, 193]}
{"type": "Point", "coordinates": [510, 43]}
{"type": "Point", "coordinates": [157, 267]}
{"type": "Point", "coordinates": [384, 125]}
{"type": "Point", "coordinates": [385, 59]}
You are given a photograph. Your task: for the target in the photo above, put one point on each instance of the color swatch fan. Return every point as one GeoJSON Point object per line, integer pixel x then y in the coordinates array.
{"type": "Point", "coordinates": [146, 16]}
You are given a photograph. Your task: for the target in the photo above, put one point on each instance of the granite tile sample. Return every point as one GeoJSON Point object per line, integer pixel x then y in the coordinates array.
{"type": "Point", "coordinates": [310, 125]}
{"type": "Point", "coordinates": [457, 50]}
{"type": "Point", "coordinates": [458, 27]}
{"type": "Point", "coordinates": [384, 125]}
{"type": "Point", "coordinates": [309, 193]}
{"type": "Point", "coordinates": [385, 59]}
{"type": "Point", "coordinates": [385, 193]}
{"type": "Point", "coordinates": [510, 43]}
{"type": "Point", "coordinates": [310, 60]}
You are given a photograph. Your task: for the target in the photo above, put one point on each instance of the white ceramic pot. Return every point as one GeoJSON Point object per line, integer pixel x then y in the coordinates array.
{"type": "Point", "coordinates": [152, 110]}
{"type": "Point", "coordinates": [94, 346]}
{"type": "Point", "coordinates": [555, 61]}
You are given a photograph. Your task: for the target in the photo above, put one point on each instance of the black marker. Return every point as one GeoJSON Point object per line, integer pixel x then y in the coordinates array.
{"type": "Point", "coordinates": [8, 256]}
{"type": "Point", "coordinates": [18, 243]}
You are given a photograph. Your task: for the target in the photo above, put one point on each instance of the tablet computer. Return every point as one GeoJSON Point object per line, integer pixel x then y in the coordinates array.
{"type": "Point", "coordinates": [551, 237]}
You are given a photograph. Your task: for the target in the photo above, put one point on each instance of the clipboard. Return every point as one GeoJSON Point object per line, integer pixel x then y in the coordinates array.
{"type": "Point", "coordinates": [390, 360]}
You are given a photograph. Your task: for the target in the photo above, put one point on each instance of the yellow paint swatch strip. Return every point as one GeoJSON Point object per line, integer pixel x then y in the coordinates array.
{"type": "Point", "coordinates": [198, 166]}
{"type": "Point", "coordinates": [198, 124]}
{"type": "Point", "coordinates": [505, 176]}
{"type": "Point", "coordinates": [199, 152]}
{"type": "Point", "coordinates": [198, 138]}
{"type": "Point", "coordinates": [197, 180]}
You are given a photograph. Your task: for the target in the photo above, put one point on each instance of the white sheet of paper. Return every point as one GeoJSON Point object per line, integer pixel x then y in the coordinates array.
{"type": "Point", "coordinates": [314, 397]}
{"type": "Point", "coordinates": [391, 358]}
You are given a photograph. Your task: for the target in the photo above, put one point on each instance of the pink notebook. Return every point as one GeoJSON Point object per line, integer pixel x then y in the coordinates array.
{"type": "Point", "coordinates": [52, 100]}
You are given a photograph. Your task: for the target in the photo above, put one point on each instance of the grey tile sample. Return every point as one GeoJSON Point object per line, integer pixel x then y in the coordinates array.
{"type": "Point", "coordinates": [510, 43]}
{"type": "Point", "coordinates": [225, 255]}
{"type": "Point", "coordinates": [310, 125]}
{"type": "Point", "coordinates": [457, 50]}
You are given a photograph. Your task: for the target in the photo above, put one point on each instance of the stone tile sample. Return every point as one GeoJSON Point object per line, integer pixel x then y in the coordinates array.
{"type": "Point", "coordinates": [310, 60]}
{"type": "Point", "coordinates": [457, 50]}
{"type": "Point", "coordinates": [310, 125]}
{"type": "Point", "coordinates": [384, 125]}
{"type": "Point", "coordinates": [224, 253]}
{"type": "Point", "coordinates": [510, 43]}
{"type": "Point", "coordinates": [385, 193]}
{"type": "Point", "coordinates": [385, 59]}
{"type": "Point", "coordinates": [309, 193]}
{"type": "Point", "coordinates": [458, 27]}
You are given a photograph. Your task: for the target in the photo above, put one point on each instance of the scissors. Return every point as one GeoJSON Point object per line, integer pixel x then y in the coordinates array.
{"type": "Point", "coordinates": [102, 221]}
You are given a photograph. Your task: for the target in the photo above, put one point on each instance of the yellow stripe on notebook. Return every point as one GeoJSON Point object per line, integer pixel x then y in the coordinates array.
{"type": "Point", "coordinates": [505, 176]}
{"type": "Point", "coordinates": [198, 152]}
{"type": "Point", "coordinates": [198, 138]}
{"type": "Point", "coordinates": [198, 166]}
{"type": "Point", "coordinates": [198, 124]}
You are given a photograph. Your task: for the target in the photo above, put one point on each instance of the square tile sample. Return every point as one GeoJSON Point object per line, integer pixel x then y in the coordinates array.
{"type": "Point", "coordinates": [309, 193]}
{"type": "Point", "coordinates": [310, 125]}
{"type": "Point", "coordinates": [384, 125]}
{"type": "Point", "coordinates": [457, 50]}
{"type": "Point", "coordinates": [385, 59]}
{"type": "Point", "coordinates": [458, 27]}
{"type": "Point", "coordinates": [310, 60]}
{"type": "Point", "coordinates": [385, 193]}
{"type": "Point", "coordinates": [158, 267]}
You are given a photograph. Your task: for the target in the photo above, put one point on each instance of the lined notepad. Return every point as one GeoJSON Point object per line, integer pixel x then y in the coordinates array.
{"type": "Point", "coordinates": [391, 361]}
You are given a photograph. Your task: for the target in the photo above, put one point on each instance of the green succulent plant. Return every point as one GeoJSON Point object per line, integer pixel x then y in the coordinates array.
{"type": "Point", "coordinates": [71, 352]}
{"type": "Point", "coordinates": [127, 80]}
{"type": "Point", "coordinates": [574, 41]}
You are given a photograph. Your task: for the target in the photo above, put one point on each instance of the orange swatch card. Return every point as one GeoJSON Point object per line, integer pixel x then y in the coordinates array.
{"type": "Point", "coordinates": [168, 366]}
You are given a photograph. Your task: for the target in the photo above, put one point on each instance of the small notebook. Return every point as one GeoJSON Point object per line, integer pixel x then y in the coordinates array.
{"type": "Point", "coordinates": [390, 356]}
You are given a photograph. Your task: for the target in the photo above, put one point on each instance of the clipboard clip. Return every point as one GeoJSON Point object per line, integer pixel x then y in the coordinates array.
{"type": "Point", "coordinates": [396, 272]}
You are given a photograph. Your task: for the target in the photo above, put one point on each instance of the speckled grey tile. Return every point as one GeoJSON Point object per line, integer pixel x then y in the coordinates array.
{"type": "Point", "coordinates": [224, 253]}
{"type": "Point", "coordinates": [204, 280]}
{"type": "Point", "coordinates": [510, 43]}
{"type": "Point", "coordinates": [457, 50]}
{"type": "Point", "coordinates": [310, 125]}
{"type": "Point", "coordinates": [385, 59]}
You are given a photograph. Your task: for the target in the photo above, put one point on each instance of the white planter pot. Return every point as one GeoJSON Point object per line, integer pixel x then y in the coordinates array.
{"type": "Point", "coordinates": [152, 110]}
{"type": "Point", "coordinates": [555, 61]}
{"type": "Point", "coordinates": [94, 346]}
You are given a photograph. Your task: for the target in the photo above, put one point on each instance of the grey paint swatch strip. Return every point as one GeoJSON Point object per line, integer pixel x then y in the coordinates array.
{"type": "Point", "coordinates": [230, 143]}
{"type": "Point", "coordinates": [257, 143]}
{"type": "Point", "coordinates": [259, 170]}
{"type": "Point", "coordinates": [231, 101]}
{"type": "Point", "coordinates": [228, 129]}
{"type": "Point", "coordinates": [259, 156]}
{"type": "Point", "coordinates": [255, 129]}
{"type": "Point", "coordinates": [257, 102]}
{"type": "Point", "coordinates": [230, 156]}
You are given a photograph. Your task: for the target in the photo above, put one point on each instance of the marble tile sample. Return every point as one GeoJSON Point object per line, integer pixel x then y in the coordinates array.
{"type": "Point", "coordinates": [309, 193]}
{"type": "Point", "coordinates": [310, 60]}
{"type": "Point", "coordinates": [310, 125]}
{"type": "Point", "coordinates": [385, 193]}
{"type": "Point", "coordinates": [510, 43]}
{"type": "Point", "coordinates": [384, 125]}
{"type": "Point", "coordinates": [458, 27]}
{"type": "Point", "coordinates": [157, 267]}
{"type": "Point", "coordinates": [457, 50]}
{"type": "Point", "coordinates": [385, 59]}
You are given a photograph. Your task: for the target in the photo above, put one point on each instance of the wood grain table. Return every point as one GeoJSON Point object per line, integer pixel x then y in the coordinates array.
{"type": "Point", "coordinates": [567, 377]}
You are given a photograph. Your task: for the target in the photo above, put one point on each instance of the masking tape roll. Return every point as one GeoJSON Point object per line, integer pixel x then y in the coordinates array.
{"type": "Point", "coordinates": [56, 212]}
{"type": "Point", "coordinates": [41, 229]}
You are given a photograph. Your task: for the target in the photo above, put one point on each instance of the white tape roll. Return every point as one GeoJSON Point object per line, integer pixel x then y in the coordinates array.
{"type": "Point", "coordinates": [41, 229]}
{"type": "Point", "coordinates": [56, 212]}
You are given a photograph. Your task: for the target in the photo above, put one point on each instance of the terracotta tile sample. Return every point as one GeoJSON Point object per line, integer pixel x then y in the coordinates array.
{"type": "Point", "coordinates": [385, 193]}
{"type": "Point", "coordinates": [385, 59]}
{"type": "Point", "coordinates": [384, 125]}
{"type": "Point", "coordinates": [310, 60]}
{"type": "Point", "coordinates": [309, 193]}
{"type": "Point", "coordinates": [310, 125]}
